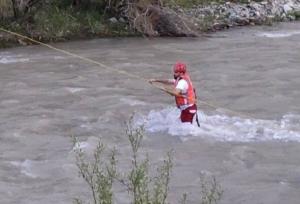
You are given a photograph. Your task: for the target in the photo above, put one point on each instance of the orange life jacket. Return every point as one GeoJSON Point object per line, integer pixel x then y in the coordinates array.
{"type": "Point", "coordinates": [189, 97]}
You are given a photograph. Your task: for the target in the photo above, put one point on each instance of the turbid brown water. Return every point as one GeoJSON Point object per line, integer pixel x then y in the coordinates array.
{"type": "Point", "coordinates": [250, 142]}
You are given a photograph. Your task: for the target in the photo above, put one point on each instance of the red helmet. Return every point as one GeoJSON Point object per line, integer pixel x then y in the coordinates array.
{"type": "Point", "coordinates": [179, 67]}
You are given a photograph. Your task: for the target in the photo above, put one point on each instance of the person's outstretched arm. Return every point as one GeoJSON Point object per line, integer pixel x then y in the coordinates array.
{"type": "Point", "coordinates": [163, 81]}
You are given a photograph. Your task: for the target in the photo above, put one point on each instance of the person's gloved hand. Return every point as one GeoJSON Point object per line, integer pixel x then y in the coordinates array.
{"type": "Point", "coordinates": [151, 81]}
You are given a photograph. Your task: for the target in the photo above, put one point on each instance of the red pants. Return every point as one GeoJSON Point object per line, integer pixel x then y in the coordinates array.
{"type": "Point", "coordinates": [187, 115]}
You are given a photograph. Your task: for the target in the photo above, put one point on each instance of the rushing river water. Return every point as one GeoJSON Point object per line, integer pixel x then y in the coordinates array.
{"type": "Point", "coordinates": [249, 79]}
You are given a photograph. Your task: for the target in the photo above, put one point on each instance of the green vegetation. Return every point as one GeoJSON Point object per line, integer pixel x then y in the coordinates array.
{"type": "Point", "coordinates": [60, 20]}
{"type": "Point", "coordinates": [57, 23]}
{"type": "Point", "coordinates": [57, 20]}
{"type": "Point", "coordinates": [294, 14]}
{"type": "Point", "coordinates": [297, 15]}
{"type": "Point", "coordinates": [5, 9]}
{"type": "Point", "coordinates": [101, 174]}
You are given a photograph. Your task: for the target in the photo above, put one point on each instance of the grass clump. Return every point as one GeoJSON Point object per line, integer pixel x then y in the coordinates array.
{"type": "Point", "coordinates": [295, 15]}
{"type": "Point", "coordinates": [51, 21]}
{"type": "Point", "coordinates": [70, 23]}
{"type": "Point", "coordinates": [56, 23]}
{"type": "Point", "coordinates": [100, 173]}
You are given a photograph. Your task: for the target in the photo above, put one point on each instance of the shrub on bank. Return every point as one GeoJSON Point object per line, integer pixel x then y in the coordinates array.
{"type": "Point", "coordinates": [56, 20]}
{"type": "Point", "coordinates": [61, 20]}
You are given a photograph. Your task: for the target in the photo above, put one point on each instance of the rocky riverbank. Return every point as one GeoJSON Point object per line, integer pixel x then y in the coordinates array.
{"type": "Point", "coordinates": [252, 13]}
{"type": "Point", "coordinates": [213, 17]}
{"type": "Point", "coordinates": [157, 20]}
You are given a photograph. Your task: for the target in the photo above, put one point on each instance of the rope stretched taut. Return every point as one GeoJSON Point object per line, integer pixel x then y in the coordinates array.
{"type": "Point", "coordinates": [113, 69]}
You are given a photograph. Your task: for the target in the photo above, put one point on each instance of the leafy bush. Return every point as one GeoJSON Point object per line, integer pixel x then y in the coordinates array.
{"type": "Point", "coordinates": [101, 173]}
{"type": "Point", "coordinates": [56, 23]}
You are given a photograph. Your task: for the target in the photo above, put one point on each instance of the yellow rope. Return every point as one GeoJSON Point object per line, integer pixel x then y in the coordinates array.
{"type": "Point", "coordinates": [113, 69]}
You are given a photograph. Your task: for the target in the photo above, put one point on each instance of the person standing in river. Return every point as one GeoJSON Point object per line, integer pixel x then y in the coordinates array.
{"type": "Point", "coordinates": [184, 92]}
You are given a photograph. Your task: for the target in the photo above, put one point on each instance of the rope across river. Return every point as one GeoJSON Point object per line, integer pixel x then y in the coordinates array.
{"type": "Point", "coordinates": [116, 70]}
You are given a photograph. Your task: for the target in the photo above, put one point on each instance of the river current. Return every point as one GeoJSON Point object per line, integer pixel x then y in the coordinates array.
{"type": "Point", "coordinates": [248, 85]}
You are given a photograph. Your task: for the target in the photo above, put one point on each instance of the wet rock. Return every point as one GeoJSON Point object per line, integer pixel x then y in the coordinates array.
{"type": "Point", "coordinates": [122, 20]}
{"type": "Point", "coordinates": [113, 20]}
{"type": "Point", "coordinates": [220, 26]}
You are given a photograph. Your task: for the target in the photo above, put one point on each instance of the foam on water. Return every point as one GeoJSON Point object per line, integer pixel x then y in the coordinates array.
{"type": "Point", "coordinates": [87, 146]}
{"type": "Point", "coordinates": [132, 102]}
{"type": "Point", "coordinates": [81, 145]}
{"type": "Point", "coordinates": [278, 34]}
{"type": "Point", "coordinates": [25, 167]}
{"type": "Point", "coordinates": [223, 127]}
{"type": "Point", "coordinates": [74, 89]}
{"type": "Point", "coordinates": [11, 59]}
{"type": "Point", "coordinates": [8, 58]}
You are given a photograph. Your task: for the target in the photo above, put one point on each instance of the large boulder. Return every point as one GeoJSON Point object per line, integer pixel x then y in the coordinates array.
{"type": "Point", "coordinates": [167, 22]}
{"type": "Point", "coordinates": [154, 20]}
